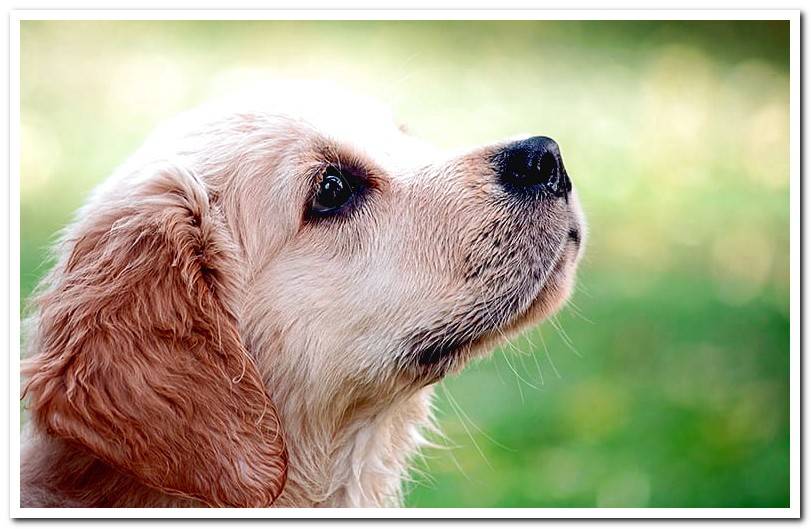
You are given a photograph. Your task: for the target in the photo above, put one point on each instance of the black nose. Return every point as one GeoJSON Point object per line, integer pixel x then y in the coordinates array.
{"type": "Point", "coordinates": [534, 163]}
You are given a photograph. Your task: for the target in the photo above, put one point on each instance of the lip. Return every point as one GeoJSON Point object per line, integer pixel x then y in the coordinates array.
{"type": "Point", "coordinates": [548, 298]}
{"type": "Point", "coordinates": [454, 354]}
{"type": "Point", "coordinates": [574, 236]}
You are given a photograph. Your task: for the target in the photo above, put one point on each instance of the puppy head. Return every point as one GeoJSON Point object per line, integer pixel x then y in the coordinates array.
{"type": "Point", "coordinates": [296, 252]}
{"type": "Point", "coordinates": [378, 262]}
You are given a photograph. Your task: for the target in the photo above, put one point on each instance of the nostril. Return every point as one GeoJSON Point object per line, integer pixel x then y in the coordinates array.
{"type": "Point", "coordinates": [531, 163]}
{"type": "Point", "coordinates": [547, 167]}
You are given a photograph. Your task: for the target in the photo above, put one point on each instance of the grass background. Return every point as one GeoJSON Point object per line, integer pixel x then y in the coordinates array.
{"type": "Point", "coordinates": [665, 383]}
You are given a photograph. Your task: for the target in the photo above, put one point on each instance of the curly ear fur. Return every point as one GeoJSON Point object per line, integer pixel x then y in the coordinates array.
{"type": "Point", "coordinates": [136, 353]}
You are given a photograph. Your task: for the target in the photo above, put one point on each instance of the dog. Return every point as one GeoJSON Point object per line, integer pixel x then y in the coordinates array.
{"type": "Point", "coordinates": [253, 309]}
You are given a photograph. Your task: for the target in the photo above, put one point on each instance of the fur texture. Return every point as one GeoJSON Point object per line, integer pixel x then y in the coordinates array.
{"type": "Point", "coordinates": [203, 341]}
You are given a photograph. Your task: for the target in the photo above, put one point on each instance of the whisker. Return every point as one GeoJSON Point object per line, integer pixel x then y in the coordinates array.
{"type": "Point", "coordinates": [532, 349]}
{"type": "Point", "coordinates": [509, 342]}
{"type": "Point", "coordinates": [498, 372]}
{"type": "Point", "coordinates": [511, 345]}
{"type": "Point", "coordinates": [454, 402]}
{"type": "Point", "coordinates": [565, 337]}
{"type": "Point", "coordinates": [574, 309]}
{"type": "Point", "coordinates": [469, 434]}
{"type": "Point", "coordinates": [525, 381]}
{"type": "Point", "coordinates": [524, 370]}
{"type": "Point", "coordinates": [517, 377]}
{"type": "Point", "coordinates": [581, 287]}
{"type": "Point", "coordinates": [548, 356]}
{"type": "Point", "coordinates": [458, 466]}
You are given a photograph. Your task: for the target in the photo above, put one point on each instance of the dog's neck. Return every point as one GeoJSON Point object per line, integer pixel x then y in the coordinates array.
{"type": "Point", "coordinates": [361, 464]}
{"type": "Point", "coordinates": [363, 461]}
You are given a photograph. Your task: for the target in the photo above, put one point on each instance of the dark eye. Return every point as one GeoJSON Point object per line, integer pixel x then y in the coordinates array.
{"type": "Point", "coordinates": [333, 192]}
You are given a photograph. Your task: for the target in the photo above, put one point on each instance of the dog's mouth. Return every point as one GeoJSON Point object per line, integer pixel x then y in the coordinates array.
{"type": "Point", "coordinates": [440, 352]}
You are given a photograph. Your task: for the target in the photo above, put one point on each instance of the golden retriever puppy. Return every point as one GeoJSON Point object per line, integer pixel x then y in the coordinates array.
{"type": "Point", "coordinates": [254, 308]}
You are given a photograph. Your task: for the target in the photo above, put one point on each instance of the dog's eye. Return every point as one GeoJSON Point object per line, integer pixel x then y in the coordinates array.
{"type": "Point", "coordinates": [333, 192]}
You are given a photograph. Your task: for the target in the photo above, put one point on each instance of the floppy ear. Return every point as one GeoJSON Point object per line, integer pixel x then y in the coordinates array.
{"type": "Point", "coordinates": [137, 354]}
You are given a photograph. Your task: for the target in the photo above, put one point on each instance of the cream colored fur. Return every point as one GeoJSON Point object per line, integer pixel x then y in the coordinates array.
{"type": "Point", "coordinates": [327, 310]}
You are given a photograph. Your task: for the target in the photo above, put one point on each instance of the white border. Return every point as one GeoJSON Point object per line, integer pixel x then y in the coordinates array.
{"type": "Point", "coordinates": [795, 295]}
{"type": "Point", "coordinates": [399, 14]}
{"type": "Point", "coordinates": [405, 14]}
{"type": "Point", "coordinates": [14, 256]}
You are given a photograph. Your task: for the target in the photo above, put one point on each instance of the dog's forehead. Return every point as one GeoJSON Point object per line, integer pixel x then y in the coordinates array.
{"type": "Point", "coordinates": [350, 119]}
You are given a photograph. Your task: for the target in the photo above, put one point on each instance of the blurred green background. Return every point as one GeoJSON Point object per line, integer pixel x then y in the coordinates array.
{"type": "Point", "coordinates": [665, 382]}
